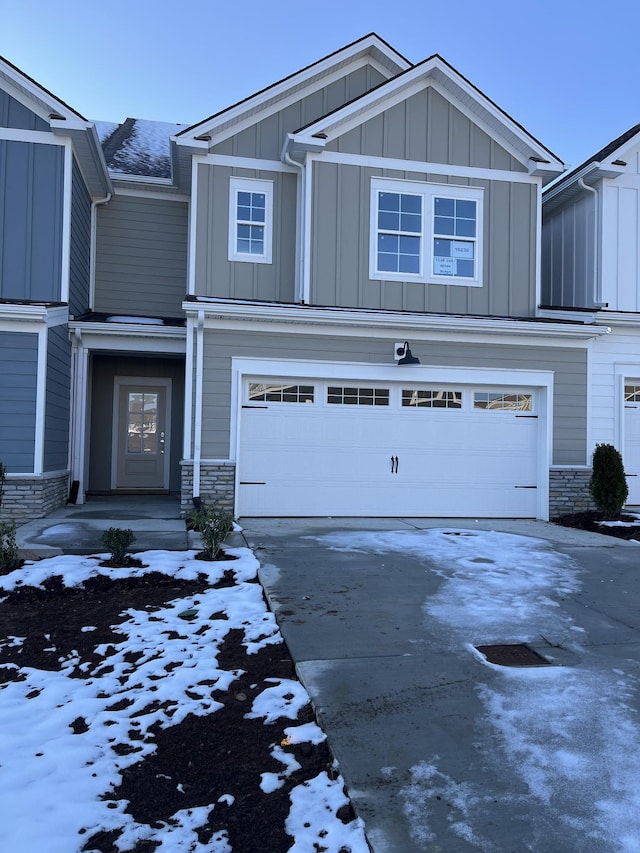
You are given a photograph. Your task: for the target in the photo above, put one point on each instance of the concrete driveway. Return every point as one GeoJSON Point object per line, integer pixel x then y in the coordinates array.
{"type": "Point", "coordinates": [441, 750]}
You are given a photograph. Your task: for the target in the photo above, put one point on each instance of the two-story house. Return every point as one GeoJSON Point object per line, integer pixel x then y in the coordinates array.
{"type": "Point", "coordinates": [324, 300]}
{"type": "Point", "coordinates": [591, 272]}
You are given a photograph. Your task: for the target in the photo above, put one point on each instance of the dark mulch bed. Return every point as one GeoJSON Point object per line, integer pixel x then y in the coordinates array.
{"type": "Point", "coordinates": [589, 521]}
{"type": "Point", "coordinates": [211, 755]}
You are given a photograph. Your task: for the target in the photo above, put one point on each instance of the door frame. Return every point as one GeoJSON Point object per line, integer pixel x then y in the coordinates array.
{"type": "Point", "coordinates": [142, 381]}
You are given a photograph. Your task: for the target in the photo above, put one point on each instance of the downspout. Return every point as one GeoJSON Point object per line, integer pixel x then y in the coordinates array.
{"type": "Point", "coordinates": [92, 248]}
{"type": "Point", "coordinates": [197, 426]}
{"type": "Point", "coordinates": [300, 223]}
{"type": "Point", "coordinates": [79, 419]}
{"type": "Point", "coordinates": [597, 283]}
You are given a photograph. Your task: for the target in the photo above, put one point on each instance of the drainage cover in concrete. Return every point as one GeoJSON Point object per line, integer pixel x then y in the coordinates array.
{"type": "Point", "coordinates": [515, 654]}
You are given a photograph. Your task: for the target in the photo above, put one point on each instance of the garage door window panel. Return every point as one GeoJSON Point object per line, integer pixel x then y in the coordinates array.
{"type": "Point", "coordinates": [502, 401]}
{"type": "Point", "coordinates": [351, 396]}
{"type": "Point", "coordinates": [280, 393]}
{"type": "Point", "coordinates": [431, 398]}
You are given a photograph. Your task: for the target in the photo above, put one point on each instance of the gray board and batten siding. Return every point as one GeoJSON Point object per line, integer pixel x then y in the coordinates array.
{"type": "Point", "coordinates": [568, 364]}
{"type": "Point", "coordinates": [141, 256]}
{"type": "Point", "coordinates": [57, 401]}
{"type": "Point", "coordinates": [265, 138]}
{"type": "Point", "coordinates": [567, 255]}
{"type": "Point", "coordinates": [340, 254]}
{"type": "Point", "coordinates": [215, 274]}
{"type": "Point", "coordinates": [80, 263]}
{"type": "Point", "coordinates": [31, 205]}
{"type": "Point", "coordinates": [18, 384]}
{"type": "Point", "coordinates": [104, 369]}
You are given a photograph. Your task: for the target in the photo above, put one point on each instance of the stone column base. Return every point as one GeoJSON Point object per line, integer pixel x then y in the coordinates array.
{"type": "Point", "coordinates": [217, 485]}
{"type": "Point", "coordinates": [569, 491]}
{"type": "Point", "coordinates": [32, 496]}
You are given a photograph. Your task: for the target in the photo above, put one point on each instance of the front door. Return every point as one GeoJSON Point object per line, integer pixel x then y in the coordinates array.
{"type": "Point", "coordinates": [631, 456]}
{"type": "Point", "coordinates": [141, 435]}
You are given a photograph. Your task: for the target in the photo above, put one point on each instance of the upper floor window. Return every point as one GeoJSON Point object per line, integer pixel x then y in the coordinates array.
{"type": "Point", "coordinates": [250, 220]}
{"type": "Point", "coordinates": [426, 232]}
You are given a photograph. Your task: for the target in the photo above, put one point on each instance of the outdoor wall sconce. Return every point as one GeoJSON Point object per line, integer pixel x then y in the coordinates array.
{"type": "Point", "coordinates": [404, 352]}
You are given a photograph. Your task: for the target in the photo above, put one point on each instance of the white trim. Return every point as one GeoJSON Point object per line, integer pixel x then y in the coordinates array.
{"type": "Point", "coordinates": [427, 191]}
{"type": "Point", "coordinates": [41, 402]}
{"type": "Point", "coordinates": [193, 228]}
{"type": "Point", "coordinates": [137, 337]}
{"type": "Point", "coordinates": [296, 320]}
{"type": "Point", "coordinates": [149, 193]}
{"type": "Point", "coordinates": [623, 371]}
{"type": "Point", "coordinates": [140, 381]}
{"type": "Point", "coordinates": [257, 186]}
{"type": "Point", "coordinates": [66, 222]}
{"type": "Point", "coordinates": [541, 380]}
{"type": "Point", "coordinates": [79, 413]}
{"type": "Point", "coordinates": [188, 390]}
{"type": "Point", "coordinates": [31, 316]}
{"type": "Point", "coordinates": [236, 162]}
{"type": "Point", "coordinates": [35, 137]}
{"type": "Point", "coordinates": [199, 392]}
{"type": "Point", "coordinates": [427, 168]}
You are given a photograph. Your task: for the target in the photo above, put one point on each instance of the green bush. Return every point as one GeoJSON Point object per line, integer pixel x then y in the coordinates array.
{"type": "Point", "coordinates": [608, 484]}
{"type": "Point", "coordinates": [9, 559]}
{"type": "Point", "coordinates": [215, 525]}
{"type": "Point", "coordinates": [116, 540]}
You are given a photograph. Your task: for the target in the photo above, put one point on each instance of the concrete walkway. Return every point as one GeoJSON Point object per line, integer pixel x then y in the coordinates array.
{"type": "Point", "coordinates": [76, 529]}
{"type": "Point", "coordinates": [393, 695]}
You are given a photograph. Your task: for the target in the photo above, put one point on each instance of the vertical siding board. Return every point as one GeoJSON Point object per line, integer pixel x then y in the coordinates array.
{"type": "Point", "coordinates": [437, 128]}
{"type": "Point", "coordinates": [56, 426]}
{"type": "Point", "coordinates": [80, 245]}
{"type": "Point", "coordinates": [32, 211]}
{"type": "Point", "coordinates": [15, 115]}
{"type": "Point", "coordinates": [18, 378]}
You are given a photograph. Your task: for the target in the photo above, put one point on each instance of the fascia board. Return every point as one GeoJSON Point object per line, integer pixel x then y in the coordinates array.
{"type": "Point", "coordinates": [52, 315]}
{"type": "Point", "coordinates": [33, 96]}
{"type": "Point", "coordinates": [89, 155]}
{"type": "Point", "coordinates": [295, 83]}
{"type": "Point", "coordinates": [348, 319]}
{"type": "Point", "coordinates": [564, 191]}
{"type": "Point", "coordinates": [470, 101]}
{"type": "Point", "coordinates": [128, 330]}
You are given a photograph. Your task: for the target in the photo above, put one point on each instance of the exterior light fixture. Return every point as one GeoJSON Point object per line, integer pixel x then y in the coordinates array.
{"type": "Point", "coordinates": [406, 357]}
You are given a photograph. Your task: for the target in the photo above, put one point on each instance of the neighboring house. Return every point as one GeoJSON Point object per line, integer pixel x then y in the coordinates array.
{"type": "Point", "coordinates": [591, 272]}
{"type": "Point", "coordinates": [254, 281]}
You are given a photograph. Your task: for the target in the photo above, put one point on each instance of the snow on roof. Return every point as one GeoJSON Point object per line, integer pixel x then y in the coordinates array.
{"type": "Point", "coordinates": [138, 146]}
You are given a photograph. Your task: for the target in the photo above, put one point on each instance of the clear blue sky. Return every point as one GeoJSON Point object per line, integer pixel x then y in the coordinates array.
{"type": "Point", "coordinates": [567, 71]}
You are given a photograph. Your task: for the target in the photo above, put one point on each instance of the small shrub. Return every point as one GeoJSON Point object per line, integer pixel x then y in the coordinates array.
{"type": "Point", "coordinates": [116, 540]}
{"type": "Point", "coordinates": [9, 559]}
{"type": "Point", "coordinates": [608, 484]}
{"type": "Point", "coordinates": [3, 477]}
{"type": "Point", "coordinates": [196, 518]}
{"type": "Point", "coordinates": [215, 526]}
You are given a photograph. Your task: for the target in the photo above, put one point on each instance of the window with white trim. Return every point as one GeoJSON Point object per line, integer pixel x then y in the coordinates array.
{"type": "Point", "coordinates": [250, 220]}
{"type": "Point", "coordinates": [426, 232]}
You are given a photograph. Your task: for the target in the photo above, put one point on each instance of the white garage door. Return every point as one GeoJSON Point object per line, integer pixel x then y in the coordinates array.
{"type": "Point", "coordinates": [632, 439]}
{"type": "Point", "coordinates": [323, 448]}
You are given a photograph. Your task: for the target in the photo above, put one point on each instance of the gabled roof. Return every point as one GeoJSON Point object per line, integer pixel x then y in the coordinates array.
{"type": "Point", "coordinates": [608, 162]}
{"type": "Point", "coordinates": [536, 157]}
{"type": "Point", "coordinates": [137, 147]}
{"type": "Point", "coordinates": [371, 46]}
{"type": "Point", "coordinates": [63, 120]}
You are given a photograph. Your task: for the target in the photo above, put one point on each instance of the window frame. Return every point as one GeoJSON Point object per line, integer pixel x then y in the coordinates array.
{"type": "Point", "coordinates": [250, 185]}
{"type": "Point", "coordinates": [428, 191]}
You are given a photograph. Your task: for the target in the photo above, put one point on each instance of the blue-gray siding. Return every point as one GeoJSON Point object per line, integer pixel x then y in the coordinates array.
{"type": "Point", "coordinates": [31, 204]}
{"type": "Point", "coordinates": [141, 257]}
{"type": "Point", "coordinates": [80, 245]}
{"type": "Point", "coordinates": [56, 423]}
{"type": "Point", "coordinates": [567, 255]}
{"type": "Point", "coordinates": [18, 377]}
{"type": "Point", "coordinates": [15, 115]}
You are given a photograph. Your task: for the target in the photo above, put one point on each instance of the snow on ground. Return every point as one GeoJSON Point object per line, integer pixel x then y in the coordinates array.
{"type": "Point", "coordinates": [48, 771]}
{"type": "Point", "coordinates": [571, 734]}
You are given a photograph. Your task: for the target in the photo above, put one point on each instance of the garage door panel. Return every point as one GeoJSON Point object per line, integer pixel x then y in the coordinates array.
{"type": "Point", "coordinates": [336, 459]}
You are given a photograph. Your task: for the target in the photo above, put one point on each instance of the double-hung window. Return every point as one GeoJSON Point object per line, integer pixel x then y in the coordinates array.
{"type": "Point", "coordinates": [250, 220]}
{"type": "Point", "coordinates": [426, 232]}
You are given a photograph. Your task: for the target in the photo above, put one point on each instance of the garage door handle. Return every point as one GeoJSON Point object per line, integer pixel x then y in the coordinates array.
{"type": "Point", "coordinates": [394, 464]}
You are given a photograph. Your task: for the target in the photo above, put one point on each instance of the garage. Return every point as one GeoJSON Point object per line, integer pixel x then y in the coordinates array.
{"type": "Point", "coordinates": [327, 447]}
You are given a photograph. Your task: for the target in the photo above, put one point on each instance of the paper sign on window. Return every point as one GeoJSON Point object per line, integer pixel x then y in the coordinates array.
{"type": "Point", "coordinates": [443, 266]}
{"type": "Point", "coordinates": [462, 250]}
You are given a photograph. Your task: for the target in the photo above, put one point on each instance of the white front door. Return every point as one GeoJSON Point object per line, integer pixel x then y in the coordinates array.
{"type": "Point", "coordinates": [141, 435]}
{"type": "Point", "coordinates": [373, 449]}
